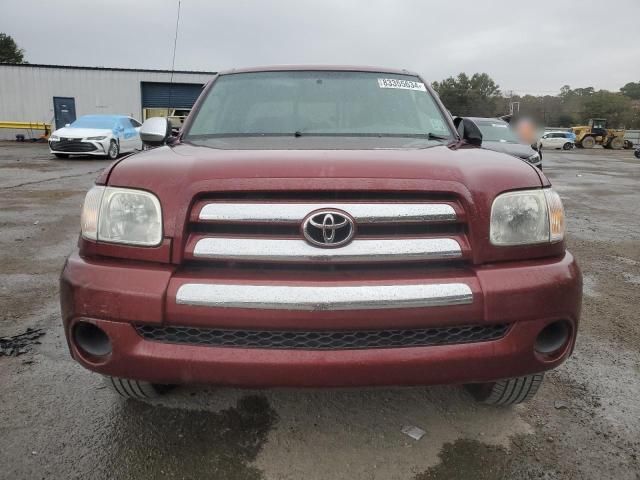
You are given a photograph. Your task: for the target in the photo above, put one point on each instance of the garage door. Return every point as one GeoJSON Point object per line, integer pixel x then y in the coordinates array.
{"type": "Point", "coordinates": [176, 95]}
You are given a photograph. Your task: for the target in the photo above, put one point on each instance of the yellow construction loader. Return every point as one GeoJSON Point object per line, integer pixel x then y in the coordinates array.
{"type": "Point", "coordinates": [597, 133]}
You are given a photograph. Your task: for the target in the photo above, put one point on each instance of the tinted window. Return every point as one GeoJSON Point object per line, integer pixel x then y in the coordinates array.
{"type": "Point", "coordinates": [134, 123]}
{"type": "Point", "coordinates": [496, 131]}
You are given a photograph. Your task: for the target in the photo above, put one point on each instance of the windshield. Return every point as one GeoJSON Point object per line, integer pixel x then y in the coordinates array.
{"type": "Point", "coordinates": [318, 103]}
{"type": "Point", "coordinates": [94, 122]}
{"type": "Point", "coordinates": [496, 131]}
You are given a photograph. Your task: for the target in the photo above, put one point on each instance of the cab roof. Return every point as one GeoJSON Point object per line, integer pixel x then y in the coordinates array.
{"type": "Point", "coordinates": [329, 68]}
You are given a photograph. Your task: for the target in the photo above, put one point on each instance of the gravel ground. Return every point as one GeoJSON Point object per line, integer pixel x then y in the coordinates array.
{"type": "Point", "coordinates": [58, 421]}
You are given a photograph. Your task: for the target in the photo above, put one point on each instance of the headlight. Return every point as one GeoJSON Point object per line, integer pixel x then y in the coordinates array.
{"type": "Point", "coordinates": [122, 215]}
{"type": "Point", "coordinates": [96, 138]}
{"type": "Point", "coordinates": [527, 217]}
{"type": "Point", "coordinates": [54, 138]}
{"type": "Point", "coordinates": [535, 158]}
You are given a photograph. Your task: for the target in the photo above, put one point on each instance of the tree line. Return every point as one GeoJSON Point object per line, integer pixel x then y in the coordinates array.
{"type": "Point", "coordinates": [9, 51]}
{"type": "Point", "coordinates": [478, 95]}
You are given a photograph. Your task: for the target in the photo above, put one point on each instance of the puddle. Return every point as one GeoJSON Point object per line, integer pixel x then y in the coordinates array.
{"type": "Point", "coordinates": [471, 459]}
{"type": "Point", "coordinates": [21, 343]}
{"type": "Point", "coordinates": [152, 441]}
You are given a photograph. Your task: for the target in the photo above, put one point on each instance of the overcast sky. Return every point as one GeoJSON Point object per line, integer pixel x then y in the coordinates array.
{"type": "Point", "coordinates": [528, 47]}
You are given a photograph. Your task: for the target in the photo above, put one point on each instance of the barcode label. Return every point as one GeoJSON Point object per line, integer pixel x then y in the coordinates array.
{"type": "Point", "coordinates": [402, 84]}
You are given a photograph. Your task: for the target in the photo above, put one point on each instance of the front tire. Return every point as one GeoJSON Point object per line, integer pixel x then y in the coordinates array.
{"type": "Point", "coordinates": [617, 143]}
{"type": "Point", "coordinates": [588, 142]}
{"type": "Point", "coordinates": [135, 389]}
{"type": "Point", "coordinates": [567, 146]}
{"type": "Point", "coordinates": [506, 392]}
{"type": "Point", "coordinates": [114, 150]}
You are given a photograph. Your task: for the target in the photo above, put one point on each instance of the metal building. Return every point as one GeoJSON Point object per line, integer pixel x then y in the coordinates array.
{"type": "Point", "coordinates": [56, 94]}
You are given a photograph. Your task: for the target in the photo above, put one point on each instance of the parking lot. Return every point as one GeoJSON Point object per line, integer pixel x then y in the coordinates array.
{"type": "Point", "coordinates": [57, 420]}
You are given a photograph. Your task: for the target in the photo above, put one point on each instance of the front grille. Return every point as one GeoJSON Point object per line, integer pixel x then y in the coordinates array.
{"type": "Point", "coordinates": [323, 339]}
{"type": "Point", "coordinates": [277, 227]}
{"type": "Point", "coordinates": [72, 145]}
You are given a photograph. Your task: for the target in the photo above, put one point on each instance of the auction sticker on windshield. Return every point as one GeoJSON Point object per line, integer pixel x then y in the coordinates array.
{"type": "Point", "coordinates": [402, 84]}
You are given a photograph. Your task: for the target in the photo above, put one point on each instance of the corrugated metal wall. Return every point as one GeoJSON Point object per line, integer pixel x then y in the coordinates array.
{"type": "Point", "coordinates": [26, 92]}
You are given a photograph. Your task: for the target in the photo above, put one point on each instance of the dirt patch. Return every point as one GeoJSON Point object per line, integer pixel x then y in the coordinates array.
{"type": "Point", "coordinates": [42, 195]}
{"type": "Point", "coordinates": [611, 301]}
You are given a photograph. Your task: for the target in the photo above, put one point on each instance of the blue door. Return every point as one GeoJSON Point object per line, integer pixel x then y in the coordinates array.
{"type": "Point", "coordinates": [64, 110]}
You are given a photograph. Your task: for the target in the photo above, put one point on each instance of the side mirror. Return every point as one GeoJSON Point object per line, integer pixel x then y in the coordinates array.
{"type": "Point", "coordinates": [155, 131]}
{"type": "Point", "coordinates": [468, 130]}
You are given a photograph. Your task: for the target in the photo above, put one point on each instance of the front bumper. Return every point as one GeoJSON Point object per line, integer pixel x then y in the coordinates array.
{"type": "Point", "coordinates": [83, 147]}
{"type": "Point", "coordinates": [116, 296]}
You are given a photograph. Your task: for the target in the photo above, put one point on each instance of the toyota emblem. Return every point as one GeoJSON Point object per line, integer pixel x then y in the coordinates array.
{"type": "Point", "coordinates": [328, 228]}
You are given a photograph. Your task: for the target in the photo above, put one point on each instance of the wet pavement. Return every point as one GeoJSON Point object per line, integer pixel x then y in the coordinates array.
{"type": "Point", "coordinates": [58, 420]}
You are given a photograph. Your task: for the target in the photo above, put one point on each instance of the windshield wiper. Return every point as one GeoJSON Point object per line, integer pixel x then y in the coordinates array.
{"type": "Point", "coordinates": [435, 136]}
{"type": "Point", "coordinates": [429, 136]}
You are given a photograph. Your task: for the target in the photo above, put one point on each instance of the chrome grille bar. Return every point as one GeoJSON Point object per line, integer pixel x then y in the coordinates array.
{"type": "Point", "coordinates": [296, 212]}
{"type": "Point", "coordinates": [365, 297]}
{"type": "Point", "coordinates": [294, 250]}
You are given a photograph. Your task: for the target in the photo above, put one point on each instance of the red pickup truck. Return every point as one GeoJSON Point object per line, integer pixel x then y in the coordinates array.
{"type": "Point", "coordinates": [321, 227]}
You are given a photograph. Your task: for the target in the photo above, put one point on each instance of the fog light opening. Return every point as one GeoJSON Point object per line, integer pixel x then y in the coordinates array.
{"type": "Point", "coordinates": [552, 337]}
{"type": "Point", "coordinates": [91, 339]}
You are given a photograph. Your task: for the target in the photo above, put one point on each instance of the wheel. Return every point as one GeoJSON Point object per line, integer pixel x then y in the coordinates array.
{"type": "Point", "coordinates": [506, 392]}
{"type": "Point", "coordinates": [637, 153]}
{"type": "Point", "coordinates": [566, 146]}
{"type": "Point", "coordinates": [617, 143]}
{"type": "Point", "coordinates": [113, 151]}
{"type": "Point", "coordinates": [135, 389]}
{"type": "Point", "coordinates": [588, 142]}
{"type": "Point", "coordinates": [61, 155]}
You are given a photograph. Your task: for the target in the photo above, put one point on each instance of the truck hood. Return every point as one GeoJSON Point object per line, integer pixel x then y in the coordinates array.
{"type": "Point", "coordinates": [516, 149]}
{"type": "Point", "coordinates": [69, 132]}
{"type": "Point", "coordinates": [186, 164]}
{"type": "Point", "coordinates": [181, 173]}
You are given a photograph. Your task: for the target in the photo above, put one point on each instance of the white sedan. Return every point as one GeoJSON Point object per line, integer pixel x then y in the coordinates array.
{"type": "Point", "coordinates": [563, 140]}
{"type": "Point", "coordinates": [100, 135]}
